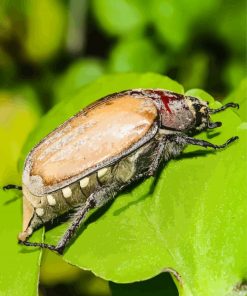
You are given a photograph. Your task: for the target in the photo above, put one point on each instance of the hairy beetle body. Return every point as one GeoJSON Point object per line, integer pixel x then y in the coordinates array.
{"type": "Point", "coordinates": [105, 147]}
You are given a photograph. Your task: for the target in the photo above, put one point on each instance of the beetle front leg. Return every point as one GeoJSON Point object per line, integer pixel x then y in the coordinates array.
{"type": "Point", "coordinates": [183, 139]}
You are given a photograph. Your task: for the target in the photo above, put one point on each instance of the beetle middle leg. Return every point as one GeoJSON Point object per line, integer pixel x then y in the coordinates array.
{"type": "Point", "coordinates": [157, 160]}
{"type": "Point", "coordinates": [183, 139]}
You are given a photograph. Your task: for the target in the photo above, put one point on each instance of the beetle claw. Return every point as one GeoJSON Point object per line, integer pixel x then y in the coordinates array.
{"type": "Point", "coordinates": [59, 250]}
{"type": "Point", "coordinates": [214, 124]}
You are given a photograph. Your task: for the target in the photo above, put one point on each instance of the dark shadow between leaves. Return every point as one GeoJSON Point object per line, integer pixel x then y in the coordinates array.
{"type": "Point", "coordinates": [161, 284]}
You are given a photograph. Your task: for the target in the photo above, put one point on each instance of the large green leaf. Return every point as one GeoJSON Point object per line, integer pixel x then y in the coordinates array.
{"type": "Point", "coordinates": [191, 222]}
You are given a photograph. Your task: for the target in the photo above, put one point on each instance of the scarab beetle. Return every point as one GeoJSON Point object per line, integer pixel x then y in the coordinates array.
{"type": "Point", "coordinates": [115, 141]}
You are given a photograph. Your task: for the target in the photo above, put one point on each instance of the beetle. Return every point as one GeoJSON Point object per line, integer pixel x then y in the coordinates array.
{"type": "Point", "coordinates": [110, 144]}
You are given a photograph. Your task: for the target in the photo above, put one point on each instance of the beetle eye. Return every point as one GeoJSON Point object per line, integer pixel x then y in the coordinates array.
{"type": "Point", "coordinates": [214, 124]}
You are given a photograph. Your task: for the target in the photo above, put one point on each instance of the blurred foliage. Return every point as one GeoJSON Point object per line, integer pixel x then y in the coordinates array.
{"type": "Point", "coordinates": [49, 49]}
{"type": "Point", "coordinates": [78, 74]}
{"type": "Point", "coordinates": [199, 44]}
{"type": "Point", "coordinates": [19, 113]}
{"type": "Point", "coordinates": [44, 32]}
{"type": "Point", "coordinates": [126, 57]}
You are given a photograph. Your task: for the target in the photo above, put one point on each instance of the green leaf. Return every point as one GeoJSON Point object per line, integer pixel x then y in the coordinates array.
{"type": "Point", "coordinates": [191, 222]}
{"type": "Point", "coordinates": [19, 268]}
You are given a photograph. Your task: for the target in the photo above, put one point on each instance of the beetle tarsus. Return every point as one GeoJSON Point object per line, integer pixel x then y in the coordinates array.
{"type": "Point", "coordinates": [229, 141]}
{"type": "Point", "coordinates": [12, 186]}
{"type": "Point", "coordinates": [41, 245]}
{"type": "Point", "coordinates": [228, 105]}
{"type": "Point", "coordinates": [214, 124]}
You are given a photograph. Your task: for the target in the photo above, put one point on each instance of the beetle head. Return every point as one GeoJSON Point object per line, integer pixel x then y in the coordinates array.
{"type": "Point", "coordinates": [202, 113]}
{"type": "Point", "coordinates": [201, 116]}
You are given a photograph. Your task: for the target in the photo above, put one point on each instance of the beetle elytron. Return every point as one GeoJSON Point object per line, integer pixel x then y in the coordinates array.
{"type": "Point", "coordinates": [115, 141]}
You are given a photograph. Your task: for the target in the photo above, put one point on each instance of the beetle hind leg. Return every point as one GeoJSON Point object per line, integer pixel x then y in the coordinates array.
{"type": "Point", "coordinates": [95, 200]}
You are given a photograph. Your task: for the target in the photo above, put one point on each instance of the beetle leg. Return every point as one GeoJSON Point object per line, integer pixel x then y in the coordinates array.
{"type": "Point", "coordinates": [80, 216]}
{"type": "Point", "coordinates": [11, 186]}
{"type": "Point", "coordinates": [42, 245]}
{"type": "Point", "coordinates": [95, 200]}
{"type": "Point", "coordinates": [157, 160]}
{"type": "Point", "coordinates": [183, 139]}
{"type": "Point", "coordinates": [233, 105]}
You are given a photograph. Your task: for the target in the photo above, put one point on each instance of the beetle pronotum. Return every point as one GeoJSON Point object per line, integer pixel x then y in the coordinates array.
{"type": "Point", "coordinates": [115, 141]}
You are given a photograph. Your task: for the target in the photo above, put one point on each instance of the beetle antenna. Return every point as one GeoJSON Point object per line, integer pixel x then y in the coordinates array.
{"type": "Point", "coordinates": [214, 124]}
{"type": "Point", "coordinates": [12, 186]}
{"type": "Point", "coordinates": [232, 105]}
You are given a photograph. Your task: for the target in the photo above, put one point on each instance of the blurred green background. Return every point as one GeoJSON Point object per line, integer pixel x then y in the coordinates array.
{"type": "Point", "coordinates": [51, 48]}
